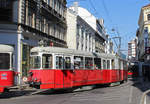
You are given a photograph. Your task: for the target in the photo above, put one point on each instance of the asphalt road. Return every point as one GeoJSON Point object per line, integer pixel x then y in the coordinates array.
{"type": "Point", "coordinates": [127, 93]}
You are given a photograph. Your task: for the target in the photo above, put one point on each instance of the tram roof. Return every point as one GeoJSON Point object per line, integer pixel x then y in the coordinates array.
{"type": "Point", "coordinates": [6, 48]}
{"type": "Point", "coordinates": [105, 55]}
{"type": "Point", "coordinates": [52, 50]}
{"type": "Point", "coordinates": [71, 51]}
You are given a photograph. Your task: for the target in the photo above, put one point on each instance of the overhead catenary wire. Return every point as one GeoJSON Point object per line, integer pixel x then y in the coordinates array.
{"type": "Point", "coordinates": [92, 5]}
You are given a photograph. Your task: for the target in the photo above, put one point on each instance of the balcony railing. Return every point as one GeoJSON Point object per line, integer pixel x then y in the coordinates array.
{"type": "Point", "coordinates": [146, 22]}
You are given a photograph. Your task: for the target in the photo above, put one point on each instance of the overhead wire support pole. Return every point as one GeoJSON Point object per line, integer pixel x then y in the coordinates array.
{"type": "Point", "coordinates": [119, 46]}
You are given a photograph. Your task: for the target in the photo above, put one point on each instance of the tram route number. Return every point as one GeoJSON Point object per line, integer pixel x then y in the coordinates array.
{"type": "Point", "coordinates": [4, 76]}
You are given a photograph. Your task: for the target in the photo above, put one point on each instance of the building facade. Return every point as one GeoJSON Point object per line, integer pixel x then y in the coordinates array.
{"type": "Point", "coordinates": [143, 34]}
{"type": "Point", "coordinates": [85, 32]}
{"type": "Point", "coordinates": [28, 23]}
{"type": "Point", "coordinates": [80, 35]}
{"type": "Point", "coordinates": [132, 49]}
{"type": "Point", "coordinates": [143, 39]}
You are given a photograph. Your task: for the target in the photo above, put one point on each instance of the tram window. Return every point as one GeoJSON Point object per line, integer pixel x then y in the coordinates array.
{"type": "Point", "coordinates": [35, 62]}
{"type": "Point", "coordinates": [113, 64]}
{"type": "Point", "coordinates": [78, 62]}
{"type": "Point", "coordinates": [59, 62]}
{"type": "Point", "coordinates": [88, 63]}
{"type": "Point", "coordinates": [97, 62]}
{"type": "Point", "coordinates": [108, 64]}
{"type": "Point", "coordinates": [104, 64]}
{"type": "Point", "coordinates": [4, 61]}
{"type": "Point", "coordinates": [47, 61]}
{"type": "Point", "coordinates": [125, 65]}
{"type": "Point", "coordinates": [12, 61]}
{"type": "Point", "coordinates": [67, 62]}
{"type": "Point", "coordinates": [119, 63]}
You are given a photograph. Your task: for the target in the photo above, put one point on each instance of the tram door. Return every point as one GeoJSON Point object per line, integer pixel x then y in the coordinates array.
{"type": "Point", "coordinates": [58, 75]}
{"type": "Point", "coordinates": [67, 72]}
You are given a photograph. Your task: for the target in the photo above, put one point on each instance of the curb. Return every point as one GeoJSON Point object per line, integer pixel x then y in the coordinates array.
{"type": "Point", "coordinates": [143, 97]}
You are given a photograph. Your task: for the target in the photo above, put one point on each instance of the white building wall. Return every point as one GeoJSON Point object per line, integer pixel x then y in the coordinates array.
{"type": "Point", "coordinates": [72, 29]}
{"type": "Point", "coordinates": [92, 21]}
{"type": "Point", "coordinates": [87, 16]}
{"type": "Point", "coordinates": [80, 35]}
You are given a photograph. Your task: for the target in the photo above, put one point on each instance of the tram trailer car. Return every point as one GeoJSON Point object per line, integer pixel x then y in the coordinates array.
{"type": "Point", "coordinates": [6, 67]}
{"type": "Point", "coordinates": [133, 70]}
{"type": "Point", "coordinates": [56, 68]}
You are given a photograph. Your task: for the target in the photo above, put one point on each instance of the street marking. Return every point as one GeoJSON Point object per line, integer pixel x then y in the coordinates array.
{"type": "Point", "coordinates": [145, 100]}
{"type": "Point", "coordinates": [130, 97]}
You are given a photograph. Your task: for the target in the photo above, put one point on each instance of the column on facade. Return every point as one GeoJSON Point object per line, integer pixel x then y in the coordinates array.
{"type": "Point", "coordinates": [84, 41]}
{"type": "Point", "coordinates": [91, 42]}
{"type": "Point", "coordinates": [80, 31]}
{"type": "Point", "coordinates": [94, 42]}
{"type": "Point", "coordinates": [88, 41]}
{"type": "Point", "coordinates": [19, 57]}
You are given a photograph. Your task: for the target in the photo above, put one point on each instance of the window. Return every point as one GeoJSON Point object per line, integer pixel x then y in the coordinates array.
{"type": "Point", "coordinates": [51, 29]}
{"type": "Point", "coordinates": [119, 63]}
{"type": "Point", "coordinates": [148, 17]}
{"type": "Point", "coordinates": [67, 62]}
{"type": "Point", "coordinates": [47, 61]}
{"type": "Point", "coordinates": [42, 24]}
{"type": "Point", "coordinates": [59, 62]}
{"type": "Point", "coordinates": [46, 27]}
{"type": "Point", "coordinates": [53, 4]}
{"type": "Point", "coordinates": [54, 30]}
{"type": "Point", "coordinates": [97, 62]}
{"type": "Point", "coordinates": [48, 2]}
{"type": "Point", "coordinates": [35, 62]}
{"type": "Point", "coordinates": [4, 61]}
{"type": "Point", "coordinates": [29, 18]}
{"type": "Point", "coordinates": [104, 64]}
{"type": "Point", "coordinates": [6, 10]}
{"type": "Point", "coordinates": [113, 64]}
{"type": "Point", "coordinates": [108, 64]}
{"type": "Point", "coordinates": [60, 7]}
{"type": "Point", "coordinates": [78, 62]}
{"type": "Point", "coordinates": [124, 65]}
{"type": "Point", "coordinates": [88, 63]}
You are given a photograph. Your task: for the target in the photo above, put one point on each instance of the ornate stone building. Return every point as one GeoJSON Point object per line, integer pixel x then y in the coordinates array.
{"type": "Point", "coordinates": [28, 23]}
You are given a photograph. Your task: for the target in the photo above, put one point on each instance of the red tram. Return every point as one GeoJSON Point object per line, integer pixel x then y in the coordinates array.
{"type": "Point", "coordinates": [6, 67]}
{"type": "Point", "coordinates": [133, 70]}
{"type": "Point", "coordinates": [55, 68]}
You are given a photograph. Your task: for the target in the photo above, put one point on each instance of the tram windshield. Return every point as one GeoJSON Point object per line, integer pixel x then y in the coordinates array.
{"type": "Point", "coordinates": [4, 61]}
{"type": "Point", "coordinates": [35, 62]}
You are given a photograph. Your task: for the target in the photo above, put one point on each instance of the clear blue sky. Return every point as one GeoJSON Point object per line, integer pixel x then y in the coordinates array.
{"type": "Point", "coordinates": [122, 15]}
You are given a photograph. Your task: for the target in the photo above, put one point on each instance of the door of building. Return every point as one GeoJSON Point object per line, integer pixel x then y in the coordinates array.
{"type": "Point", "coordinates": [25, 59]}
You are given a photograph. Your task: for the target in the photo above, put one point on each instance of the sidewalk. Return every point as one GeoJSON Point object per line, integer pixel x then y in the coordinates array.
{"type": "Point", "coordinates": [145, 89]}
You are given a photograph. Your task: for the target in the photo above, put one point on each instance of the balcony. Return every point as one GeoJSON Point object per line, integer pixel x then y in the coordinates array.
{"type": "Point", "coordinates": [146, 22]}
